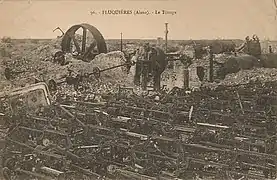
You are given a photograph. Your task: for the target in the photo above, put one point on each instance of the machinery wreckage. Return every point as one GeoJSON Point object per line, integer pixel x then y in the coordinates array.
{"type": "Point", "coordinates": [150, 61]}
{"type": "Point", "coordinates": [224, 133]}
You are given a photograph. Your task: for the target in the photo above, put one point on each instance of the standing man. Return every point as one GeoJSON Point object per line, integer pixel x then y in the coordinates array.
{"type": "Point", "coordinates": [245, 47]}
{"type": "Point", "coordinates": [138, 59]}
{"type": "Point", "coordinates": [147, 57]}
{"type": "Point", "coordinates": [142, 56]}
{"type": "Point", "coordinates": [270, 49]}
{"type": "Point", "coordinates": [146, 48]}
{"type": "Point", "coordinates": [256, 49]}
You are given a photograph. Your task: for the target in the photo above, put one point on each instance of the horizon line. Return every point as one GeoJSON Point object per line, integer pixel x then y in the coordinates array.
{"type": "Point", "coordinates": [133, 39]}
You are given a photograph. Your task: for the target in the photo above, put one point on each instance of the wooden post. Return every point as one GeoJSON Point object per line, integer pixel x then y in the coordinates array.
{"type": "Point", "coordinates": [166, 32]}
{"type": "Point", "coordinates": [186, 79]}
{"type": "Point", "coordinates": [211, 64]}
{"type": "Point", "coordinates": [121, 43]}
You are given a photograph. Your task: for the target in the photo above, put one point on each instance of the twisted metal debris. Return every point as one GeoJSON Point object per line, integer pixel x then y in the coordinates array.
{"type": "Point", "coordinates": [226, 133]}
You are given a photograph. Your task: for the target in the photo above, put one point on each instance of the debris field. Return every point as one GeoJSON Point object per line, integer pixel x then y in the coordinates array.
{"type": "Point", "coordinates": [106, 129]}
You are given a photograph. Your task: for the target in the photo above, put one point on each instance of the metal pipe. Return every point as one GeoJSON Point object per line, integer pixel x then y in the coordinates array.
{"type": "Point", "coordinates": [71, 115]}
{"type": "Point", "coordinates": [51, 171]}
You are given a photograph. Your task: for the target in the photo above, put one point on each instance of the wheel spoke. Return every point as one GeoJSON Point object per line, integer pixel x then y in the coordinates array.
{"type": "Point", "coordinates": [89, 49]}
{"type": "Point", "coordinates": [76, 44]}
{"type": "Point", "coordinates": [84, 40]}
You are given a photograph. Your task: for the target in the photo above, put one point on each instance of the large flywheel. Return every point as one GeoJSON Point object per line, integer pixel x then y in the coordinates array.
{"type": "Point", "coordinates": [84, 41]}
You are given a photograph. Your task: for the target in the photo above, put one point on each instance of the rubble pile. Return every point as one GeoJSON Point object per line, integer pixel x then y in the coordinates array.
{"type": "Point", "coordinates": [228, 70]}
{"type": "Point", "coordinates": [246, 76]}
{"type": "Point", "coordinates": [36, 63]}
{"type": "Point", "coordinates": [269, 60]}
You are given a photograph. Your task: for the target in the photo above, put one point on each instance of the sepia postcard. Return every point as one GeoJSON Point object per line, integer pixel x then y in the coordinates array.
{"type": "Point", "coordinates": [138, 89]}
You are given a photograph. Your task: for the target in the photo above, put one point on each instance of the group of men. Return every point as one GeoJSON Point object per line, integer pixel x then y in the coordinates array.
{"type": "Point", "coordinates": [251, 46]}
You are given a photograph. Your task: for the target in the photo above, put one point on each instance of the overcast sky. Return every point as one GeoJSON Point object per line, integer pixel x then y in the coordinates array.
{"type": "Point", "coordinates": [195, 19]}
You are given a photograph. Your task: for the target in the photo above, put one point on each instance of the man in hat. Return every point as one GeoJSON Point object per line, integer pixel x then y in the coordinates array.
{"type": "Point", "coordinates": [270, 49]}
{"type": "Point", "coordinates": [245, 47]}
{"type": "Point", "coordinates": [147, 56]}
{"type": "Point", "coordinates": [256, 49]}
{"type": "Point", "coordinates": [141, 55]}
{"type": "Point", "coordinates": [146, 48]}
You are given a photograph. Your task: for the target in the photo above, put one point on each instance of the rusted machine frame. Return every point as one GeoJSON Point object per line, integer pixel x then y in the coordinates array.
{"type": "Point", "coordinates": [25, 90]}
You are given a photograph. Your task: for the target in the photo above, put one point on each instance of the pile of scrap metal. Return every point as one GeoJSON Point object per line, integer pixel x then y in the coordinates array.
{"type": "Point", "coordinates": [224, 133]}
